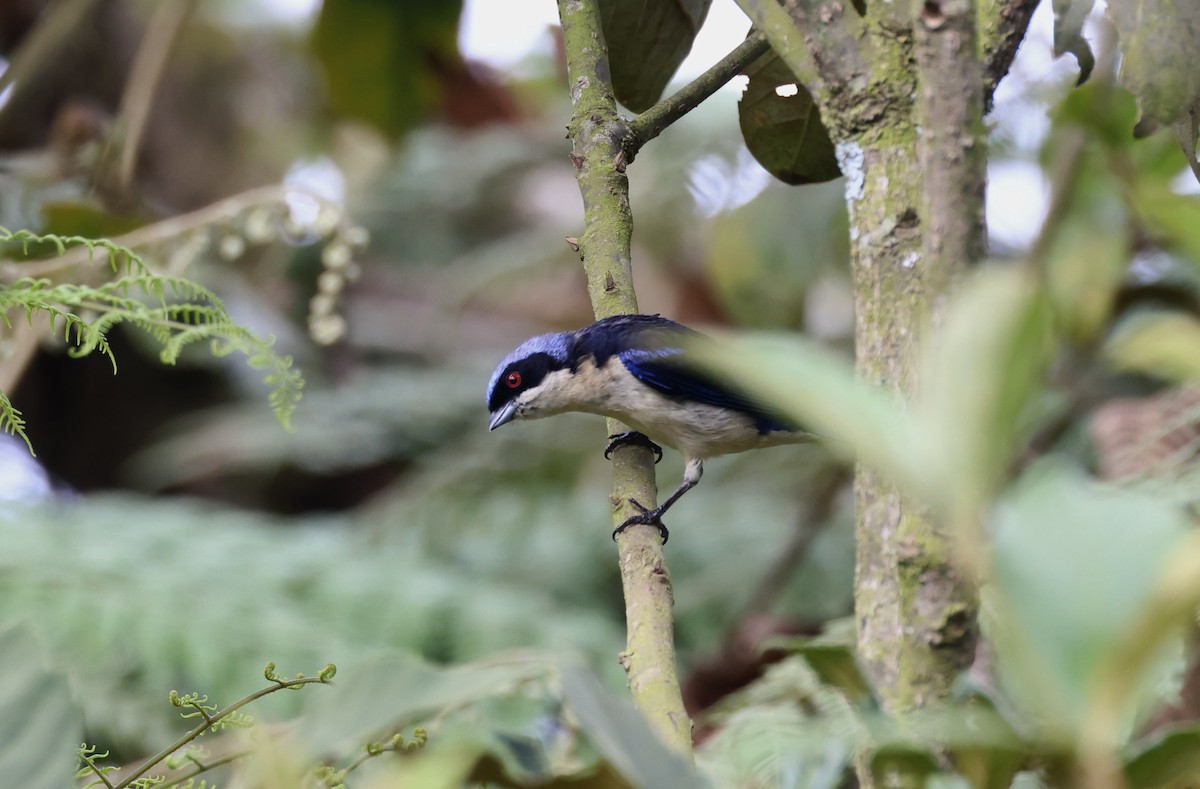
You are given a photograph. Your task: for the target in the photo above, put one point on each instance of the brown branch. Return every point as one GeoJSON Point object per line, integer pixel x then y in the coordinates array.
{"type": "Point", "coordinates": [596, 132]}
{"type": "Point", "coordinates": [953, 144]}
{"type": "Point", "coordinates": [144, 77]}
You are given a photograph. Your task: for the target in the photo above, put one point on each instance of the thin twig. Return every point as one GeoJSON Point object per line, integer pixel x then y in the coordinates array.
{"type": "Point", "coordinates": [144, 77]}
{"type": "Point", "coordinates": [175, 226]}
{"type": "Point", "coordinates": [195, 732]}
{"type": "Point", "coordinates": [41, 49]}
{"type": "Point", "coordinates": [653, 121]}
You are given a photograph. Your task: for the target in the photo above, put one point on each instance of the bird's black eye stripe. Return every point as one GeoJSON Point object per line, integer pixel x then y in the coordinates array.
{"type": "Point", "coordinates": [521, 375]}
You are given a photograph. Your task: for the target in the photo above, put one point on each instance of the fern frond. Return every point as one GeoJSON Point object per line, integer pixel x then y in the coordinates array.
{"type": "Point", "coordinates": [176, 312]}
{"type": "Point", "coordinates": [12, 422]}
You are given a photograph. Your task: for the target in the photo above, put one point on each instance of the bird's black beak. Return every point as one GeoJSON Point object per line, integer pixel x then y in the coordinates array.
{"type": "Point", "coordinates": [503, 416]}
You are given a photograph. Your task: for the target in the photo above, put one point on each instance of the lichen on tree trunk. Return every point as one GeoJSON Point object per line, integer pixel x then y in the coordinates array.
{"type": "Point", "coordinates": [915, 616]}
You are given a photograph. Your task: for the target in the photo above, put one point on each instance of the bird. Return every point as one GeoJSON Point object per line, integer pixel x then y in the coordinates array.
{"type": "Point", "coordinates": [635, 368]}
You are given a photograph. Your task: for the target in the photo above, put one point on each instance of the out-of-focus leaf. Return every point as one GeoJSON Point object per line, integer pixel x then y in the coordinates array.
{"type": "Point", "coordinates": [82, 219]}
{"type": "Point", "coordinates": [819, 390]}
{"type": "Point", "coordinates": [647, 40]}
{"type": "Point", "coordinates": [1076, 566]}
{"type": "Point", "coordinates": [1088, 256]}
{"type": "Point", "coordinates": [981, 373]}
{"type": "Point", "coordinates": [1069, 16]}
{"type": "Point", "coordinates": [40, 727]}
{"type": "Point", "coordinates": [1174, 216]}
{"type": "Point", "coordinates": [831, 655]}
{"type": "Point", "coordinates": [902, 765]}
{"type": "Point", "coordinates": [1110, 114]}
{"type": "Point", "coordinates": [776, 745]}
{"type": "Point", "coordinates": [399, 690]}
{"type": "Point", "coordinates": [623, 736]}
{"type": "Point", "coordinates": [782, 125]}
{"type": "Point", "coordinates": [381, 58]}
{"type": "Point", "coordinates": [759, 277]}
{"type": "Point", "coordinates": [1159, 41]}
{"type": "Point", "coordinates": [1162, 343]}
{"type": "Point", "coordinates": [1171, 756]}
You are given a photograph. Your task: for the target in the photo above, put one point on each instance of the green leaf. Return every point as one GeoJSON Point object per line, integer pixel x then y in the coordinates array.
{"type": "Point", "coordinates": [40, 726]}
{"type": "Point", "coordinates": [1069, 16]}
{"type": "Point", "coordinates": [981, 373]}
{"type": "Point", "coordinates": [1075, 568]}
{"type": "Point", "coordinates": [1173, 217]}
{"type": "Point", "coordinates": [383, 59]}
{"type": "Point", "coordinates": [776, 744]}
{"type": "Point", "coordinates": [819, 390]}
{"type": "Point", "coordinates": [897, 764]}
{"type": "Point", "coordinates": [1172, 755]}
{"type": "Point", "coordinates": [1160, 343]}
{"type": "Point", "coordinates": [647, 40]}
{"type": "Point", "coordinates": [1159, 41]}
{"type": "Point", "coordinates": [782, 125]}
{"type": "Point", "coordinates": [1088, 255]}
{"type": "Point", "coordinates": [623, 736]}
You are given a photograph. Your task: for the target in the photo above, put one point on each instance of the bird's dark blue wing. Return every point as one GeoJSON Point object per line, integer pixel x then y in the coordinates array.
{"type": "Point", "coordinates": [649, 347]}
{"type": "Point", "coordinates": [665, 370]}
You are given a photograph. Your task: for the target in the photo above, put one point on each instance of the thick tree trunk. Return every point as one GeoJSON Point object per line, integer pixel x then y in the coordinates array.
{"type": "Point", "coordinates": [901, 90]}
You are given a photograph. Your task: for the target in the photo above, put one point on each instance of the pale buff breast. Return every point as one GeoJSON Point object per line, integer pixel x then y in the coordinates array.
{"type": "Point", "coordinates": [695, 429]}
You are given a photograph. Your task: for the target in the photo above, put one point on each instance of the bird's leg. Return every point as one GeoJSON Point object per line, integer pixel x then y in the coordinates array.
{"type": "Point", "coordinates": [692, 472]}
{"type": "Point", "coordinates": [634, 438]}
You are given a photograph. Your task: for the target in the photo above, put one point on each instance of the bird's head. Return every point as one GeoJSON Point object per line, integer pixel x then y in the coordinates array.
{"type": "Point", "coordinates": [529, 382]}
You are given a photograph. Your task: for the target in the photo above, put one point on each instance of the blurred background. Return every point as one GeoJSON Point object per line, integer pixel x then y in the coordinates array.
{"type": "Point", "coordinates": [170, 534]}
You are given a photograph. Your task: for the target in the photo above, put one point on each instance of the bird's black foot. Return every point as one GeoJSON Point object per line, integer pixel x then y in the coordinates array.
{"type": "Point", "coordinates": [647, 517]}
{"type": "Point", "coordinates": [635, 438]}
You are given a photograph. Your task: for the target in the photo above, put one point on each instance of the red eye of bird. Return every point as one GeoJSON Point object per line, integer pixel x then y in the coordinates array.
{"type": "Point", "coordinates": [513, 380]}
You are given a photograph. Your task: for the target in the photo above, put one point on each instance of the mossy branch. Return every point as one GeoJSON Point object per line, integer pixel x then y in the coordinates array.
{"type": "Point", "coordinates": [655, 120]}
{"type": "Point", "coordinates": [596, 132]}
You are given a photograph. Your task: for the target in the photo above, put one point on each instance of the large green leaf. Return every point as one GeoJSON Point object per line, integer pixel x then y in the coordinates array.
{"type": "Point", "coordinates": [647, 40]}
{"type": "Point", "coordinates": [1173, 217]}
{"type": "Point", "coordinates": [983, 369]}
{"type": "Point", "coordinates": [1159, 41]}
{"type": "Point", "coordinates": [40, 726]}
{"type": "Point", "coordinates": [1078, 572]}
{"type": "Point", "coordinates": [382, 58]}
{"type": "Point", "coordinates": [1161, 343]}
{"type": "Point", "coordinates": [818, 389]}
{"type": "Point", "coordinates": [782, 125]}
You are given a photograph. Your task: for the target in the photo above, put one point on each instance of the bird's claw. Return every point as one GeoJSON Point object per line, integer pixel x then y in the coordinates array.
{"type": "Point", "coordinates": [634, 438]}
{"type": "Point", "coordinates": [645, 517]}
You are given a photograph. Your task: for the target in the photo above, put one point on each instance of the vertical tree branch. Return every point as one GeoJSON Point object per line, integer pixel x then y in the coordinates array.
{"type": "Point", "coordinates": [596, 132]}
